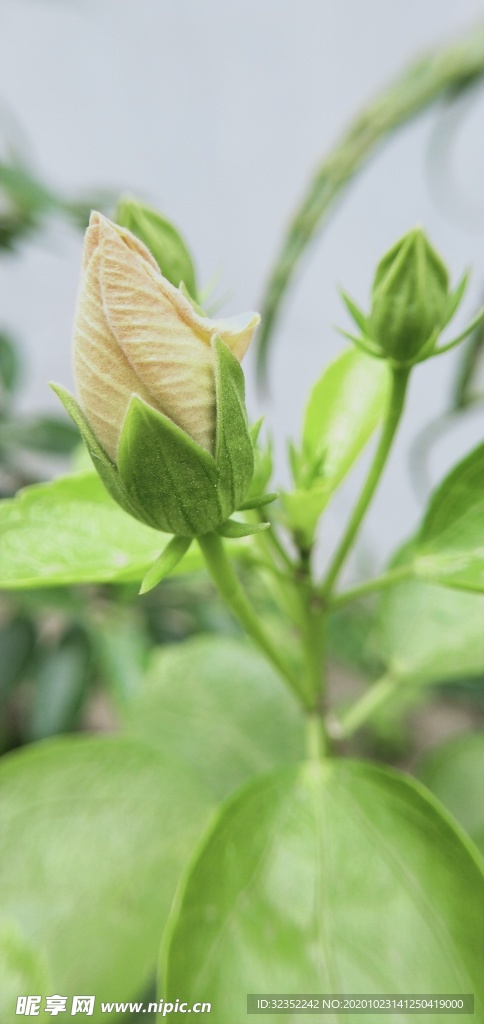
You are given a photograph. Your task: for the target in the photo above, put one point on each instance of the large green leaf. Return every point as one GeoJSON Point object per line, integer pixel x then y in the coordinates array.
{"type": "Point", "coordinates": [344, 408]}
{"type": "Point", "coordinates": [341, 877]}
{"type": "Point", "coordinates": [217, 703]}
{"type": "Point", "coordinates": [429, 634]}
{"type": "Point", "coordinates": [71, 531]}
{"type": "Point", "coordinates": [450, 546]}
{"type": "Point", "coordinates": [93, 834]}
{"type": "Point", "coordinates": [454, 772]}
{"type": "Point", "coordinates": [22, 970]}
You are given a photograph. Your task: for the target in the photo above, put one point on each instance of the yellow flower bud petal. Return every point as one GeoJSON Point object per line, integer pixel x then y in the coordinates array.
{"type": "Point", "coordinates": [173, 362]}
{"type": "Point", "coordinates": [165, 340]}
{"type": "Point", "coordinates": [104, 378]}
{"type": "Point", "coordinates": [137, 334]}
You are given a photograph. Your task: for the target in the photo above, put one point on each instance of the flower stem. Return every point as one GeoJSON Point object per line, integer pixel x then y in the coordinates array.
{"type": "Point", "coordinates": [223, 575]}
{"type": "Point", "coordinates": [375, 696]}
{"type": "Point", "coordinates": [316, 740]}
{"type": "Point", "coordinates": [396, 403]}
{"type": "Point", "coordinates": [387, 579]}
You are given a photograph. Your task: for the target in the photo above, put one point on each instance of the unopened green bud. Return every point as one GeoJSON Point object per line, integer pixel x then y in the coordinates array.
{"type": "Point", "coordinates": [410, 298]}
{"type": "Point", "coordinates": [162, 239]}
{"type": "Point", "coordinates": [411, 305]}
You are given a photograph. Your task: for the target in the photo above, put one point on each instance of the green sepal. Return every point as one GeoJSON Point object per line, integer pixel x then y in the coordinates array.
{"type": "Point", "coordinates": [234, 453]}
{"type": "Point", "coordinates": [355, 312]}
{"type": "Point", "coordinates": [455, 299]}
{"type": "Point", "coordinates": [161, 238]}
{"type": "Point", "coordinates": [167, 561]}
{"type": "Point", "coordinates": [105, 469]}
{"type": "Point", "coordinates": [255, 429]}
{"type": "Point", "coordinates": [167, 474]}
{"type": "Point", "coordinates": [366, 345]}
{"type": "Point", "coordinates": [232, 528]}
{"type": "Point", "coordinates": [258, 500]}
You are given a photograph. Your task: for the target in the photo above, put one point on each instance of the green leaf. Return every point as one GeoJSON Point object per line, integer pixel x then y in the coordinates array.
{"type": "Point", "coordinates": [71, 531]}
{"type": "Point", "coordinates": [161, 238]}
{"type": "Point", "coordinates": [22, 971]}
{"type": "Point", "coordinates": [167, 561]}
{"type": "Point", "coordinates": [42, 434]}
{"type": "Point", "coordinates": [344, 408]}
{"type": "Point", "coordinates": [454, 773]}
{"type": "Point", "coordinates": [217, 704]}
{"type": "Point", "coordinates": [340, 877]}
{"type": "Point", "coordinates": [234, 451]}
{"type": "Point", "coordinates": [450, 546]}
{"type": "Point", "coordinates": [61, 681]}
{"type": "Point", "coordinates": [429, 634]}
{"type": "Point", "coordinates": [166, 474]}
{"type": "Point", "coordinates": [17, 642]}
{"type": "Point", "coordinates": [93, 834]}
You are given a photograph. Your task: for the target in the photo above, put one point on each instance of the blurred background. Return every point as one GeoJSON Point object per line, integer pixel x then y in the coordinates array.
{"type": "Point", "coordinates": [218, 114]}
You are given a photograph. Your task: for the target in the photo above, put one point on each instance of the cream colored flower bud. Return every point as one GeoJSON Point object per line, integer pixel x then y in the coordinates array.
{"type": "Point", "coordinates": [135, 334]}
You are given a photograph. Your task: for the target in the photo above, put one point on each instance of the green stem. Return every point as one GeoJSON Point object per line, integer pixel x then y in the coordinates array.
{"type": "Point", "coordinates": [271, 538]}
{"type": "Point", "coordinates": [387, 579]}
{"type": "Point", "coordinates": [316, 740]}
{"type": "Point", "coordinates": [374, 698]}
{"type": "Point", "coordinates": [394, 411]}
{"type": "Point", "coordinates": [223, 575]}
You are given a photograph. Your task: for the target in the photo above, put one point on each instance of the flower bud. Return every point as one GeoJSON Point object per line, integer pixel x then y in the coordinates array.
{"type": "Point", "coordinates": [410, 299]}
{"type": "Point", "coordinates": [160, 389]}
{"type": "Point", "coordinates": [162, 239]}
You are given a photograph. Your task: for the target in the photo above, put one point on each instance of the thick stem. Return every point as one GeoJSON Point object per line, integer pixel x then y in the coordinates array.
{"type": "Point", "coordinates": [396, 403]}
{"type": "Point", "coordinates": [374, 698]}
{"type": "Point", "coordinates": [224, 577]}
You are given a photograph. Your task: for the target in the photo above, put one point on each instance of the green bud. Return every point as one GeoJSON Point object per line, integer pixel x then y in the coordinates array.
{"type": "Point", "coordinates": [410, 299]}
{"type": "Point", "coordinates": [162, 239]}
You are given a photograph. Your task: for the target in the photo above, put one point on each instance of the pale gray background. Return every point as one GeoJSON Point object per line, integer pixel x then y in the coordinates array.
{"type": "Point", "coordinates": [217, 111]}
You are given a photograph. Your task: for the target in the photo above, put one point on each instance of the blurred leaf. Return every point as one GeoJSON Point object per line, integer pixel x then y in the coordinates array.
{"type": "Point", "coordinates": [22, 970]}
{"type": "Point", "coordinates": [421, 84]}
{"type": "Point", "coordinates": [215, 702]}
{"type": "Point", "coordinates": [449, 548]}
{"type": "Point", "coordinates": [61, 681]}
{"type": "Point", "coordinates": [94, 832]}
{"type": "Point", "coordinates": [122, 646]}
{"type": "Point", "coordinates": [10, 365]}
{"type": "Point", "coordinates": [343, 410]}
{"type": "Point", "coordinates": [302, 881]}
{"type": "Point", "coordinates": [426, 633]}
{"type": "Point", "coordinates": [454, 773]}
{"type": "Point", "coordinates": [43, 434]}
{"type": "Point", "coordinates": [17, 641]}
